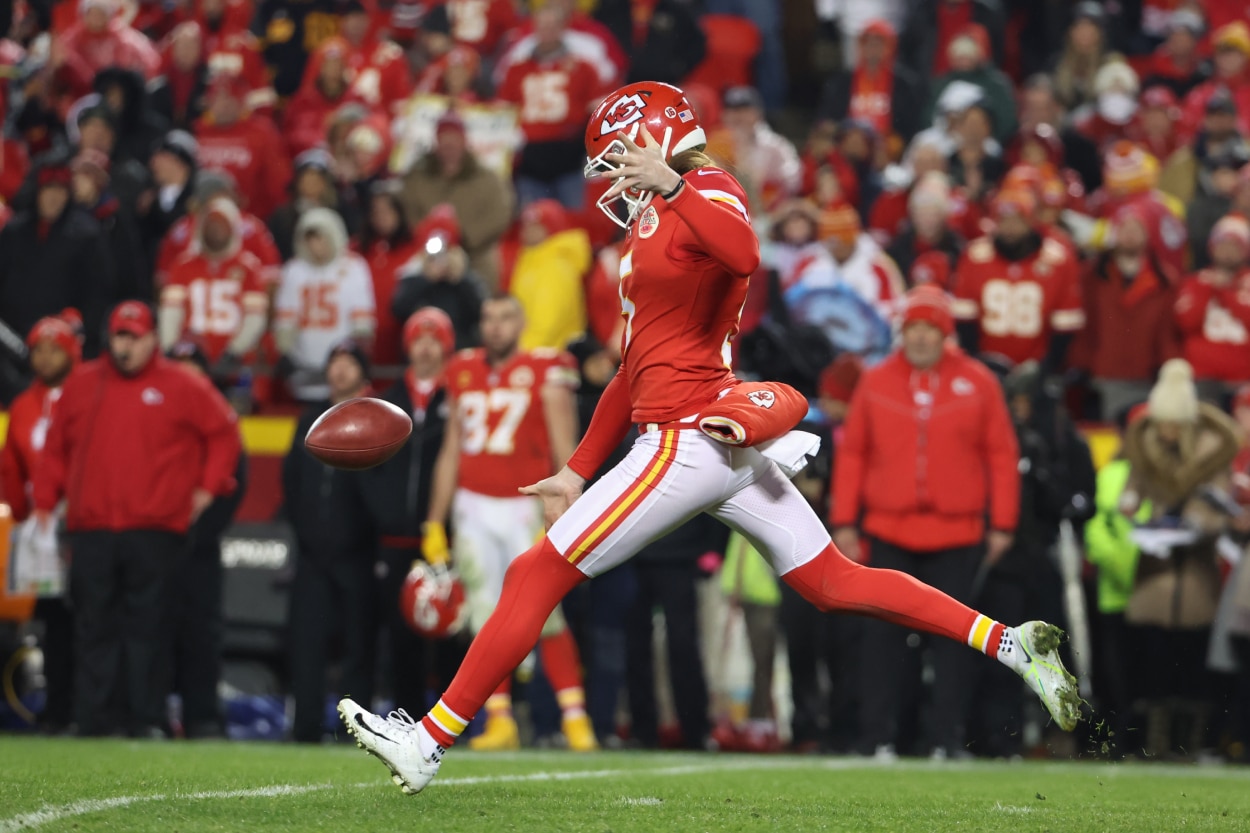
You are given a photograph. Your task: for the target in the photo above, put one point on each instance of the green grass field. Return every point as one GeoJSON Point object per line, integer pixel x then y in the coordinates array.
{"type": "Point", "coordinates": [55, 785]}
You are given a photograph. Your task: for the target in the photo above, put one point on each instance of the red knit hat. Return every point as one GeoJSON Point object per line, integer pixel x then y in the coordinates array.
{"type": "Point", "coordinates": [61, 330]}
{"type": "Point", "coordinates": [434, 321]}
{"type": "Point", "coordinates": [1231, 227]}
{"type": "Point", "coordinates": [440, 222]}
{"type": "Point", "coordinates": [930, 304]}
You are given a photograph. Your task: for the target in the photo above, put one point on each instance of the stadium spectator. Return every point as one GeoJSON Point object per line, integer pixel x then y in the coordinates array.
{"type": "Point", "coordinates": [751, 589]}
{"type": "Point", "coordinates": [54, 256]}
{"type": "Point", "coordinates": [173, 179]}
{"type": "Point", "coordinates": [244, 144]}
{"type": "Point", "coordinates": [665, 45]}
{"type": "Point", "coordinates": [195, 595]}
{"type": "Point", "coordinates": [55, 349]}
{"type": "Point", "coordinates": [859, 263]}
{"type": "Point", "coordinates": [231, 48]}
{"type": "Point", "coordinates": [926, 248]}
{"type": "Point", "coordinates": [928, 408]}
{"type": "Point", "coordinates": [1217, 134]}
{"type": "Point", "coordinates": [878, 89]}
{"type": "Point", "coordinates": [1217, 180]}
{"type": "Point", "coordinates": [583, 36]}
{"type": "Point", "coordinates": [451, 174]}
{"type": "Point", "coordinates": [387, 244]}
{"type": "Point", "coordinates": [1039, 105]}
{"type": "Point", "coordinates": [397, 494]}
{"type": "Point", "coordinates": [92, 194]}
{"type": "Point", "coordinates": [547, 278]}
{"type": "Point", "coordinates": [333, 589]}
{"type": "Point", "coordinates": [101, 38]}
{"type": "Point", "coordinates": [97, 131]}
{"type": "Point", "coordinates": [325, 296]}
{"type": "Point", "coordinates": [553, 89]}
{"type": "Point", "coordinates": [215, 294]}
{"type": "Point", "coordinates": [976, 164]}
{"type": "Point", "coordinates": [312, 186]}
{"type": "Point", "coordinates": [969, 62]}
{"type": "Point", "coordinates": [1084, 54]}
{"type": "Point", "coordinates": [1018, 291]}
{"type": "Point", "coordinates": [1213, 311]}
{"type": "Point", "coordinates": [1112, 116]}
{"type": "Point", "coordinates": [932, 25]}
{"type": "Point", "coordinates": [765, 159]}
{"type": "Point", "coordinates": [1232, 57]}
{"type": "Point", "coordinates": [438, 275]}
{"type": "Point", "coordinates": [1158, 115]}
{"type": "Point", "coordinates": [456, 75]}
{"type": "Point", "coordinates": [1178, 64]}
{"type": "Point", "coordinates": [1179, 453]}
{"type": "Point", "coordinates": [139, 126]}
{"type": "Point", "coordinates": [179, 95]}
{"type": "Point", "coordinates": [828, 178]}
{"type": "Point", "coordinates": [324, 88]}
{"type": "Point", "coordinates": [378, 70]}
{"type": "Point", "coordinates": [139, 449]}
{"type": "Point", "coordinates": [1127, 291]}
{"type": "Point", "coordinates": [482, 28]}
{"type": "Point", "coordinates": [291, 32]}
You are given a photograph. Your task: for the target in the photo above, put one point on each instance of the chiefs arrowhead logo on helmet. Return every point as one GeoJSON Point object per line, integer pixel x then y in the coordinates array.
{"type": "Point", "coordinates": [625, 111]}
{"type": "Point", "coordinates": [432, 601]}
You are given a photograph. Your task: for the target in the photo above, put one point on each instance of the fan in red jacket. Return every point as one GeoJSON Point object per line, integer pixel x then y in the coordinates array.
{"type": "Point", "coordinates": [1213, 307]}
{"type": "Point", "coordinates": [54, 350]}
{"type": "Point", "coordinates": [387, 244]}
{"type": "Point", "coordinates": [216, 294]}
{"type": "Point", "coordinates": [454, 75]}
{"type": "Point", "coordinates": [586, 38]}
{"type": "Point", "coordinates": [99, 39]}
{"type": "Point", "coordinates": [379, 73]}
{"type": "Point", "coordinates": [482, 25]}
{"type": "Point", "coordinates": [1232, 73]}
{"type": "Point", "coordinates": [928, 450]}
{"type": "Point", "coordinates": [245, 145]}
{"type": "Point", "coordinates": [138, 443]}
{"type": "Point", "coordinates": [324, 88]}
{"type": "Point", "coordinates": [1018, 291]}
{"type": "Point", "coordinates": [253, 233]}
{"type": "Point", "coordinates": [231, 49]}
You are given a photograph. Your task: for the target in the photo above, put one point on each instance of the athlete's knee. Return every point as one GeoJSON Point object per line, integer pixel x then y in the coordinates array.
{"type": "Point", "coordinates": [824, 580]}
{"type": "Point", "coordinates": [542, 563]}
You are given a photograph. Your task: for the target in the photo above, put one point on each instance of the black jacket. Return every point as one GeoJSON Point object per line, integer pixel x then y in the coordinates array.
{"type": "Point", "coordinates": [918, 40]}
{"type": "Point", "coordinates": [672, 47]}
{"type": "Point", "coordinates": [139, 125]}
{"type": "Point", "coordinates": [324, 505]}
{"type": "Point", "coordinates": [70, 267]}
{"type": "Point", "coordinates": [132, 266]}
{"type": "Point", "coordinates": [461, 300]}
{"type": "Point", "coordinates": [397, 492]}
{"type": "Point", "coordinates": [902, 250]}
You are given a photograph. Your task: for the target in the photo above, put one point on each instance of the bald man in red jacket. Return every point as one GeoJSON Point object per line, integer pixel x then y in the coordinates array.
{"type": "Point", "coordinates": [138, 449]}
{"type": "Point", "coordinates": [928, 453]}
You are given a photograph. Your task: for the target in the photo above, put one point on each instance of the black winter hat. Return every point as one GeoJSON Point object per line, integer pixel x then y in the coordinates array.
{"type": "Point", "coordinates": [351, 347]}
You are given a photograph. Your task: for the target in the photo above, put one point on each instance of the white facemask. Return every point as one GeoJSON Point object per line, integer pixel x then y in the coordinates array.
{"type": "Point", "coordinates": [1117, 107]}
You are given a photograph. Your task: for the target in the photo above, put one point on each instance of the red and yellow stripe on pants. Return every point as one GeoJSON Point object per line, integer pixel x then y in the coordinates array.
{"type": "Point", "coordinates": [631, 498]}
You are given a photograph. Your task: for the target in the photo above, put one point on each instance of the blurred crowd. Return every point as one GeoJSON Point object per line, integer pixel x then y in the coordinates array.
{"type": "Point", "coordinates": [267, 192]}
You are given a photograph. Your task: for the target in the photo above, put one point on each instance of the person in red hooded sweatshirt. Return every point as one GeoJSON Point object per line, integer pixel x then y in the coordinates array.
{"type": "Point", "coordinates": [138, 450]}
{"type": "Point", "coordinates": [387, 244]}
{"type": "Point", "coordinates": [1213, 311]}
{"type": "Point", "coordinates": [455, 75]}
{"type": "Point", "coordinates": [244, 144]}
{"type": "Point", "coordinates": [1232, 73]}
{"type": "Point", "coordinates": [379, 73]}
{"type": "Point", "coordinates": [879, 90]}
{"type": "Point", "coordinates": [326, 86]}
{"type": "Point", "coordinates": [231, 49]}
{"type": "Point", "coordinates": [55, 348]}
{"type": "Point", "coordinates": [101, 38]}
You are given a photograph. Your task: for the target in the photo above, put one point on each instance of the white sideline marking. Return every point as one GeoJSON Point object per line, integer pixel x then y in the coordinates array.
{"type": "Point", "coordinates": [1000, 807]}
{"type": "Point", "coordinates": [50, 815]}
{"type": "Point", "coordinates": [643, 801]}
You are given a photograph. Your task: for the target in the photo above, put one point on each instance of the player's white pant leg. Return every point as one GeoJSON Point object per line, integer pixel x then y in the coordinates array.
{"type": "Point", "coordinates": [767, 509]}
{"type": "Point", "coordinates": [489, 533]}
{"type": "Point", "coordinates": [667, 478]}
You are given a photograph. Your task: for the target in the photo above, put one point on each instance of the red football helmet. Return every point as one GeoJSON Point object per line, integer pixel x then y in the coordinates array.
{"type": "Point", "coordinates": [432, 601]}
{"type": "Point", "coordinates": [670, 119]}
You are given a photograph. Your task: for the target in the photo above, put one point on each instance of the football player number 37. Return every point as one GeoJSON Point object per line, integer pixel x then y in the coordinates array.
{"type": "Point", "coordinates": [1011, 309]}
{"type": "Point", "coordinates": [476, 409]}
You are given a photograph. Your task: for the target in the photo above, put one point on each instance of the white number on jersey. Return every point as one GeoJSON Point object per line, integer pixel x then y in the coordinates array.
{"type": "Point", "coordinates": [468, 19]}
{"type": "Point", "coordinates": [368, 86]}
{"type": "Point", "coordinates": [1220, 327]}
{"type": "Point", "coordinates": [545, 97]}
{"type": "Point", "coordinates": [1011, 309]}
{"type": "Point", "coordinates": [215, 307]}
{"type": "Point", "coordinates": [476, 408]}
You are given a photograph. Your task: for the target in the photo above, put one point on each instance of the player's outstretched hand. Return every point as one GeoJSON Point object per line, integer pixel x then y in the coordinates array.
{"type": "Point", "coordinates": [641, 167]}
{"type": "Point", "coordinates": [557, 492]}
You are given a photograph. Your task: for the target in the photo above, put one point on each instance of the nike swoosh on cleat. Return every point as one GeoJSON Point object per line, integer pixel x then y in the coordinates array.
{"type": "Point", "coordinates": [361, 723]}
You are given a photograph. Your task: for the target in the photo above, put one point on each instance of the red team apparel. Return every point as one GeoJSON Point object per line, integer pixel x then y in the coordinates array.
{"type": "Point", "coordinates": [504, 442]}
{"type": "Point", "coordinates": [481, 24]}
{"type": "Point", "coordinates": [215, 294]}
{"type": "Point", "coordinates": [30, 417]}
{"type": "Point", "coordinates": [254, 153]}
{"type": "Point", "coordinates": [254, 238]}
{"type": "Point", "coordinates": [1019, 304]}
{"type": "Point", "coordinates": [552, 96]}
{"type": "Point", "coordinates": [1215, 326]}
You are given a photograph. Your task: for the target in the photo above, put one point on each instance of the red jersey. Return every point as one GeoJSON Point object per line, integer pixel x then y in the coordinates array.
{"type": "Point", "coordinates": [553, 96]}
{"type": "Point", "coordinates": [1215, 326]}
{"type": "Point", "coordinates": [30, 416]}
{"type": "Point", "coordinates": [481, 24]}
{"type": "Point", "coordinates": [215, 294]}
{"type": "Point", "coordinates": [253, 152]}
{"type": "Point", "coordinates": [385, 263]}
{"type": "Point", "coordinates": [504, 443]}
{"type": "Point", "coordinates": [237, 52]}
{"type": "Point", "coordinates": [254, 237]}
{"type": "Point", "coordinates": [1019, 304]}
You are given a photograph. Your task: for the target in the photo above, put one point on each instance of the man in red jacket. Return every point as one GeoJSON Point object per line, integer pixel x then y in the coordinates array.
{"type": "Point", "coordinates": [138, 450]}
{"type": "Point", "coordinates": [928, 453]}
{"type": "Point", "coordinates": [247, 146]}
{"type": "Point", "coordinates": [1213, 311]}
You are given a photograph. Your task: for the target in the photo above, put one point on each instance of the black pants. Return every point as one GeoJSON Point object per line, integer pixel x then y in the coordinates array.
{"type": "Point", "coordinates": [1112, 682]}
{"type": "Point", "coordinates": [330, 604]}
{"type": "Point", "coordinates": [118, 582]}
{"type": "Point", "coordinates": [885, 671]}
{"type": "Point", "coordinates": [196, 630]}
{"type": "Point", "coordinates": [829, 717]}
{"type": "Point", "coordinates": [1241, 647]}
{"type": "Point", "coordinates": [57, 617]}
{"type": "Point", "coordinates": [671, 587]}
{"type": "Point", "coordinates": [996, 721]}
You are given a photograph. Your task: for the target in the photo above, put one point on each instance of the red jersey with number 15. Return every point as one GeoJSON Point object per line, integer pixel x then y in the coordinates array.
{"type": "Point", "coordinates": [681, 305]}
{"type": "Point", "coordinates": [504, 443]}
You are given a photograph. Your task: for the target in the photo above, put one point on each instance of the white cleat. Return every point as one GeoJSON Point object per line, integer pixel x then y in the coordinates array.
{"type": "Point", "coordinates": [1043, 670]}
{"type": "Point", "coordinates": [392, 740]}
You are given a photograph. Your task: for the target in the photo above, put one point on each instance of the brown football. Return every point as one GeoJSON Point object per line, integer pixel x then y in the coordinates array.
{"type": "Point", "coordinates": [358, 434]}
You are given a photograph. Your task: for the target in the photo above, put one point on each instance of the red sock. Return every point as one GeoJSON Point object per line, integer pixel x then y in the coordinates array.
{"type": "Point", "coordinates": [560, 661]}
{"type": "Point", "coordinates": [831, 581]}
{"type": "Point", "coordinates": [533, 586]}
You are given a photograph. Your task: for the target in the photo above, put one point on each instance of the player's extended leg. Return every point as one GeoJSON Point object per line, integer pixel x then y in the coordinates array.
{"type": "Point", "coordinates": [772, 514]}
